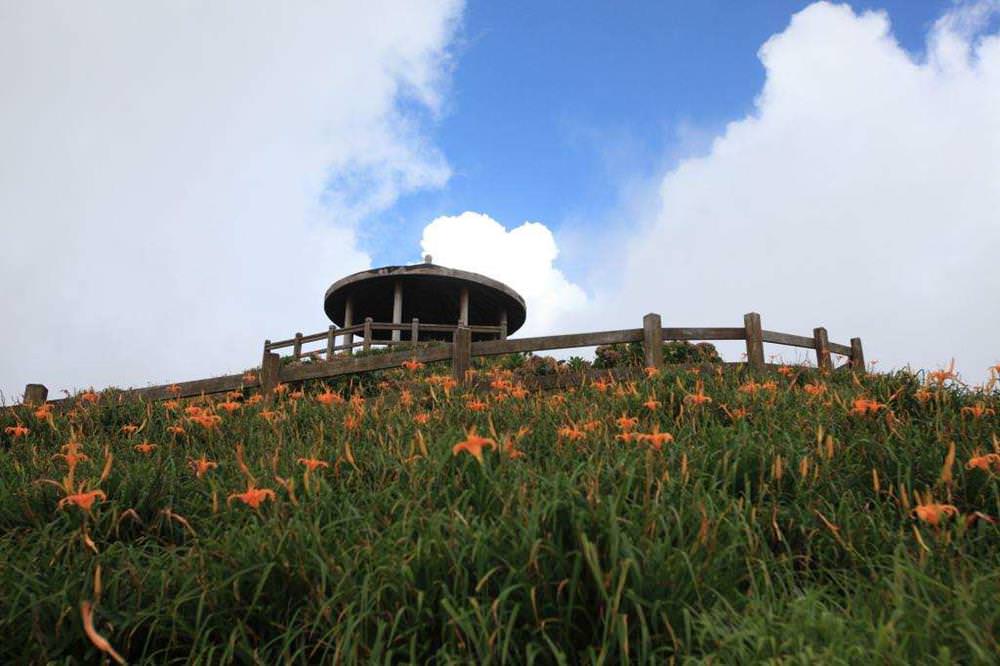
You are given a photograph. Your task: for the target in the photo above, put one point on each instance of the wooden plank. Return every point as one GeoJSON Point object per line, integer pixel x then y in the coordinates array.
{"type": "Point", "coordinates": [461, 354]}
{"type": "Point", "coordinates": [353, 365]}
{"type": "Point", "coordinates": [755, 340]}
{"type": "Point", "coordinates": [857, 355]}
{"type": "Point", "coordinates": [194, 388]}
{"type": "Point", "coordinates": [788, 339]}
{"type": "Point", "coordinates": [718, 333]}
{"type": "Point", "coordinates": [843, 350]}
{"type": "Point", "coordinates": [568, 341]}
{"type": "Point", "coordinates": [822, 342]}
{"type": "Point", "coordinates": [652, 340]}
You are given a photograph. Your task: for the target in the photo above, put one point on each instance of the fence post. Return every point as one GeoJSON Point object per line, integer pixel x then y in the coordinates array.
{"type": "Point", "coordinates": [270, 373]}
{"type": "Point", "coordinates": [822, 345]}
{"type": "Point", "coordinates": [367, 343]}
{"type": "Point", "coordinates": [755, 340]}
{"type": "Point", "coordinates": [297, 350]}
{"type": "Point", "coordinates": [35, 394]}
{"type": "Point", "coordinates": [857, 355]}
{"type": "Point", "coordinates": [652, 340]}
{"type": "Point", "coordinates": [461, 353]}
{"type": "Point", "coordinates": [330, 342]}
{"type": "Point", "coordinates": [415, 330]}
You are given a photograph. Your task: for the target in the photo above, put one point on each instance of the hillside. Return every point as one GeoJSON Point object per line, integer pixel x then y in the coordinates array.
{"type": "Point", "coordinates": [708, 515]}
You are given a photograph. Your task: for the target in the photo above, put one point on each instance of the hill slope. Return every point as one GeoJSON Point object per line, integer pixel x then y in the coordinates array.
{"type": "Point", "coordinates": [709, 515]}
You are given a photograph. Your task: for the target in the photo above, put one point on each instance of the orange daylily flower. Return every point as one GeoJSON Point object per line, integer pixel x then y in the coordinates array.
{"type": "Point", "coordinates": [651, 371]}
{"type": "Point", "coordinates": [16, 431]}
{"type": "Point", "coordinates": [978, 410]}
{"type": "Point", "coordinates": [89, 396]}
{"type": "Point", "coordinates": [201, 465]}
{"type": "Point", "coordinates": [83, 500]}
{"type": "Point", "coordinates": [656, 438]}
{"type": "Point", "coordinates": [864, 406]}
{"type": "Point", "coordinates": [413, 365]}
{"type": "Point", "coordinates": [297, 395]}
{"type": "Point", "coordinates": [256, 398]}
{"type": "Point", "coordinates": [230, 406]}
{"type": "Point", "coordinates": [923, 395]}
{"type": "Point", "coordinates": [571, 433]}
{"type": "Point", "coordinates": [281, 389]}
{"type": "Point", "coordinates": [270, 415]}
{"type": "Point", "coordinates": [129, 429]}
{"type": "Point", "coordinates": [652, 404]}
{"type": "Point", "coordinates": [518, 392]}
{"type": "Point", "coordinates": [476, 406]}
{"type": "Point", "coordinates": [473, 445]}
{"type": "Point", "coordinates": [252, 497]}
{"type": "Point", "coordinates": [175, 430]}
{"type": "Point", "coordinates": [171, 405]}
{"type": "Point", "coordinates": [698, 397]}
{"type": "Point", "coordinates": [984, 462]}
{"type": "Point", "coordinates": [312, 463]}
{"type": "Point", "coordinates": [939, 377]}
{"type": "Point", "coordinates": [601, 385]}
{"type": "Point", "coordinates": [750, 387]}
{"type": "Point", "coordinates": [194, 410]}
{"type": "Point", "coordinates": [786, 371]}
{"type": "Point", "coordinates": [351, 422]}
{"type": "Point", "coordinates": [329, 397]}
{"type": "Point", "coordinates": [145, 447]}
{"type": "Point", "coordinates": [173, 389]}
{"type": "Point", "coordinates": [207, 421]}
{"type": "Point", "coordinates": [421, 418]}
{"type": "Point", "coordinates": [626, 423]}
{"type": "Point", "coordinates": [44, 411]}
{"type": "Point", "coordinates": [406, 398]}
{"type": "Point", "coordinates": [814, 389]}
{"type": "Point", "coordinates": [933, 513]}
{"type": "Point", "coordinates": [590, 426]}
{"type": "Point", "coordinates": [628, 436]}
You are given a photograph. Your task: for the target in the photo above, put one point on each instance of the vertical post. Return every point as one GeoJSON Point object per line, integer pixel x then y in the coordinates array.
{"type": "Point", "coordinates": [35, 394]}
{"type": "Point", "coordinates": [461, 353]}
{"type": "Point", "coordinates": [652, 340]}
{"type": "Point", "coordinates": [822, 344]}
{"type": "Point", "coordinates": [270, 373]}
{"type": "Point", "coordinates": [503, 324]}
{"type": "Point", "coordinates": [463, 307]}
{"type": "Point", "coordinates": [348, 322]}
{"type": "Point", "coordinates": [857, 355]}
{"type": "Point", "coordinates": [298, 346]}
{"type": "Point", "coordinates": [330, 342]}
{"type": "Point", "coordinates": [397, 309]}
{"type": "Point", "coordinates": [367, 343]}
{"type": "Point", "coordinates": [755, 340]}
{"type": "Point", "coordinates": [415, 330]}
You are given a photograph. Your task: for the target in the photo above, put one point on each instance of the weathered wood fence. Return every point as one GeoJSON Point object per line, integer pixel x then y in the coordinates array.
{"type": "Point", "coordinates": [461, 350]}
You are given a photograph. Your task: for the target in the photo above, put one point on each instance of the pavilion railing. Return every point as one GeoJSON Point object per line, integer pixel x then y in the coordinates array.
{"type": "Point", "coordinates": [409, 333]}
{"type": "Point", "coordinates": [462, 349]}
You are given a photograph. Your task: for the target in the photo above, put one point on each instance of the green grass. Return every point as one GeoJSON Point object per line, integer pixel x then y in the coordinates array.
{"type": "Point", "coordinates": [723, 546]}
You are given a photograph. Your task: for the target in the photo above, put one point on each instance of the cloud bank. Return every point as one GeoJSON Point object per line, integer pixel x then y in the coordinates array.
{"type": "Point", "coordinates": [523, 258]}
{"type": "Point", "coordinates": [180, 180]}
{"type": "Point", "coordinates": [861, 194]}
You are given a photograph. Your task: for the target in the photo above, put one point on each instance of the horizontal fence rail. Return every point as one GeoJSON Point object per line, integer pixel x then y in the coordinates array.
{"type": "Point", "coordinates": [462, 349]}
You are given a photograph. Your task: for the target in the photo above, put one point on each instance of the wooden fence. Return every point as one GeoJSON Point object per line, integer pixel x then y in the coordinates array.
{"type": "Point", "coordinates": [462, 350]}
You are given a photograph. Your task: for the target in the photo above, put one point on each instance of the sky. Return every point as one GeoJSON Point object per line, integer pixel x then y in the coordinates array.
{"type": "Point", "coordinates": [180, 181]}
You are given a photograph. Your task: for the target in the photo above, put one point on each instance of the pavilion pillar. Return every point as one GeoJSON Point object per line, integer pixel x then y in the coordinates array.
{"type": "Point", "coordinates": [503, 324]}
{"type": "Point", "coordinates": [463, 307]}
{"type": "Point", "coordinates": [397, 309]}
{"type": "Point", "coordinates": [348, 320]}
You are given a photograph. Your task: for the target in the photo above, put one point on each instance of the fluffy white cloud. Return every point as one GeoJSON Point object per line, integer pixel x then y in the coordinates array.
{"type": "Point", "coordinates": [180, 180]}
{"type": "Point", "coordinates": [523, 258]}
{"type": "Point", "coordinates": [861, 194]}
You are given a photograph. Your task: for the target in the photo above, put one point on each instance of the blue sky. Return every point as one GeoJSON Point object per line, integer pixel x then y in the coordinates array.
{"type": "Point", "coordinates": [554, 107]}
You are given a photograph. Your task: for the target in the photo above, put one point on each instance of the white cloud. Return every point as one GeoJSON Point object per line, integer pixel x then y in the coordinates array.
{"type": "Point", "coordinates": [181, 180]}
{"type": "Point", "coordinates": [523, 258]}
{"type": "Point", "coordinates": [861, 194]}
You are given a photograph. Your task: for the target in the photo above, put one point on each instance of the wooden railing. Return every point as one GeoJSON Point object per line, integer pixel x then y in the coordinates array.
{"type": "Point", "coordinates": [462, 349]}
{"type": "Point", "coordinates": [409, 333]}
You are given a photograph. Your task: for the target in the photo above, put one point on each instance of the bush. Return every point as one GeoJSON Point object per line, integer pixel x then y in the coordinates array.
{"type": "Point", "coordinates": [631, 354]}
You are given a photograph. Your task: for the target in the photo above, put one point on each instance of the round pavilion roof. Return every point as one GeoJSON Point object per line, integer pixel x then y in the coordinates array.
{"type": "Point", "coordinates": [430, 293]}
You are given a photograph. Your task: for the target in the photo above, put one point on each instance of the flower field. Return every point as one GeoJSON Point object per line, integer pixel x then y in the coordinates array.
{"type": "Point", "coordinates": [689, 515]}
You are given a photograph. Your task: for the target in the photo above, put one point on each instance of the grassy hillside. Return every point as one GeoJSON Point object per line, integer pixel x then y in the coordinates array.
{"type": "Point", "coordinates": [699, 516]}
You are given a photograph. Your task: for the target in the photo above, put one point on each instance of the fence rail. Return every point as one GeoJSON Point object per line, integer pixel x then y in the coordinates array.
{"type": "Point", "coordinates": [462, 349]}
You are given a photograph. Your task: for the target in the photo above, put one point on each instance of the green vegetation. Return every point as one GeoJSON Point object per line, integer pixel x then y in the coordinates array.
{"type": "Point", "coordinates": [795, 516]}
